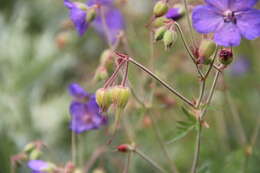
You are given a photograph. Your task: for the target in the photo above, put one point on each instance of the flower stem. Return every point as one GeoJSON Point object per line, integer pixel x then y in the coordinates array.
{"type": "Point", "coordinates": [162, 82]}
{"type": "Point", "coordinates": [153, 163]}
{"type": "Point", "coordinates": [197, 149]}
{"type": "Point", "coordinates": [127, 165]}
{"type": "Point", "coordinates": [73, 147]}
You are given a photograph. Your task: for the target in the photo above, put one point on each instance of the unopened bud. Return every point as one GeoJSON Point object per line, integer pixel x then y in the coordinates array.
{"type": "Point", "coordinates": [35, 154]}
{"type": "Point", "coordinates": [120, 95]}
{"type": "Point", "coordinates": [226, 56]}
{"type": "Point", "coordinates": [91, 14]}
{"type": "Point", "coordinates": [176, 12]}
{"type": "Point", "coordinates": [101, 74]}
{"type": "Point", "coordinates": [103, 98]}
{"type": "Point", "coordinates": [159, 33]}
{"type": "Point", "coordinates": [106, 58]}
{"type": "Point", "coordinates": [123, 148]}
{"type": "Point", "coordinates": [160, 9]}
{"type": "Point", "coordinates": [159, 21]}
{"type": "Point", "coordinates": [206, 49]}
{"type": "Point", "coordinates": [29, 147]}
{"type": "Point", "coordinates": [169, 38]}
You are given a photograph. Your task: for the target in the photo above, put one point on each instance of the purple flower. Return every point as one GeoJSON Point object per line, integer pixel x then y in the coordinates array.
{"type": "Point", "coordinates": [240, 66]}
{"type": "Point", "coordinates": [38, 166]}
{"type": "Point", "coordinates": [113, 18]}
{"type": "Point", "coordinates": [230, 20]}
{"type": "Point", "coordinates": [85, 114]}
{"type": "Point", "coordinates": [174, 13]}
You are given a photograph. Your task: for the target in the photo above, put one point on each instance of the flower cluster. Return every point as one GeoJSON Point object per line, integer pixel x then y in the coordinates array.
{"type": "Point", "coordinates": [102, 14]}
{"type": "Point", "coordinates": [85, 112]}
{"type": "Point", "coordinates": [229, 20]}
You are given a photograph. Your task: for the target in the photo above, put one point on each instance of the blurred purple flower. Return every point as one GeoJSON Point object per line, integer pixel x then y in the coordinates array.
{"type": "Point", "coordinates": [230, 20]}
{"type": "Point", "coordinates": [174, 14]}
{"type": "Point", "coordinates": [85, 114]}
{"type": "Point", "coordinates": [113, 18]}
{"type": "Point", "coordinates": [37, 166]}
{"type": "Point", "coordinates": [240, 66]}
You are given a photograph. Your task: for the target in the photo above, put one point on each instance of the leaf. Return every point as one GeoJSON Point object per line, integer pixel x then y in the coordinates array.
{"type": "Point", "coordinates": [188, 114]}
{"type": "Point", "coordinates": [181, 134]}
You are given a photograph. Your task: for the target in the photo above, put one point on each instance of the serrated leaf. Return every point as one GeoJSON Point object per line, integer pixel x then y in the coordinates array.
{"type": "Point", "coordinates": [181, 134]}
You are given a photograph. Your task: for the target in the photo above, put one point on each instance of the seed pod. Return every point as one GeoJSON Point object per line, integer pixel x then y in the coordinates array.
{"type": "Point", "coordinates": [106, 59]}
{"type": "Point", "coordinates": [169, 38]}
{"type": "Point", "coordinates": [160, 9]}
{"type": "Point", "coordinates": [226, 56]}
{"type": "Point", "coordinates": [29, 147]}
{"type": "Point", "coordinates": [101, 74]}
{"type": "Point", "coordinates": [103, 98]}
{"type": "Point", "coordinates": [159, 33]}
{"type": "Point", "coordinates": [206, 49]}
{"type": "Point", "coordinates": [91, 14]}
{"type": "Point", "coordinates": [120, 96]}
{"type": "Point", "coordinates": [159, 21]}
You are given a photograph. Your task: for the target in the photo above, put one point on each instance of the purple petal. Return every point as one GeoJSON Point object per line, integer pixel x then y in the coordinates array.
{"type": "Point", "coordinates": [78, 17]}
{"type": "Point", "coordinates": [220, 4]}
{"type": "Point", "coordinates": [77, 91]}
{"type": "Point", "coordinates": [77, 109]}
{"type": "Point", "coordinates": [173, 13]}
{"type": "Point", "coordinates": [248, 23]}
{"type": "Point", "coordinates": [228, 35]}
{"type": "Point", "coordinates": [242, 4]}
{"type": "Point", "coordinates": [240, 66]}
{"type": "Point", "coordinates": [205, 19]}
{"type": "Point", "coordinates": [37, 165]}
{"type": "Point", "coordinates": [69, 4]}
{"type": "Point", "coordinates": [101, 2]}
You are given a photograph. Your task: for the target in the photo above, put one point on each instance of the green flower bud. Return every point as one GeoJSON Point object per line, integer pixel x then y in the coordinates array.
{"type": "Point", "coordinates": [101, 74]}
{"type": "Point", "coordinates": [91, 14]}
{"type": "Point", "coordinates": [35, 154]}
{"type": "Point", "coordinates": [106, 59]}
{"type": "Point", "coordinates": [160, 9]}
{"type": "Point", "coordinates": [120, 95]}
{"type": "Point", "coordinates": [169, 38]}
{"type": "Point", "coordinates": [206, 49]}
{"type": "Point", "coordinates": [226, 56]}
{"type": "Point", "coordinates": [103, 98]}
{"type": "Point", "coordinates": [159, 21]}
{"type": "Point", "coordinates": [159, 33]}
{"type": "Point", "coordinates": [29, 147]}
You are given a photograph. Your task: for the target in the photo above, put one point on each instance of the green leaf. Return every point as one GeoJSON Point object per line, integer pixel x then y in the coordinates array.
{"type": "Point", "coordinates": [188, 114]}
{"type": "Point", "coordinates": [181, 134]}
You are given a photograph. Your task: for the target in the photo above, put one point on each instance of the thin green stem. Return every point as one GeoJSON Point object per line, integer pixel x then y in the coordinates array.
{"type": "Point", "coordinates": [188, 50]}
{"type": "Point", "coordinates": [162, 145]}
{"type": "Point", "coordinates": [113, 76]}
{"type": "Point", "coordinates": [212, 63]}
{"type": "Point", "coordinates": [189, 21]}
{"type": "Point", "coordinates": [147, 158]}
{"type": "Point", "coordinates": [166, 85]}
{"type": "Point", "coordinates": [197, 149]}
{"type": "Point", "coordinates": [202, 92]}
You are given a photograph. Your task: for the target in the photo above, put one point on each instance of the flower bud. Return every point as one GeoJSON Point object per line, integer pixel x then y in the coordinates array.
{"type": "Point", "coordinates": [160, 9]}
{"type": "Point", "coordinates": [35, 154]}
{"type": "Point", "coordinates": [101, 74]}
{"type": "Point", "coordinates": [123, 148]}
{"type": "Point", "coordinates": [103, 98]}
{"type": "Point", "coordinates": [91, 14]}
{"type": "Point", "coordinates": [206, 49]}
{"type": "Point", "coordinates": [169, 38]}
{"type": "Point", "coordinates": [120, 95]}
{"type": "Point", "coordinates": [159, 21]}
{"type": "Point", "coordinates": [29, 147]}
{"type": "Point", "coordinates": [176, 12]}
{"type": "Point", "coordinates": [159, 33]}
{"type": "Point", "coordinates": [226, 56]}
{"type": "Point", "coordinates": [106, 59]}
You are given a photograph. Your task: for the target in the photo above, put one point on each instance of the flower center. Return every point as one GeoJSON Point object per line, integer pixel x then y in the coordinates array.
{"type": "Point", "coordinates": [230, 16]}
{"type": "Point", "coordinates": [87, 118]}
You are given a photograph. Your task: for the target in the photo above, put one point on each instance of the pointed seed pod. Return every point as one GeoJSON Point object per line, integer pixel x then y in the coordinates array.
{"type": "Point", "coordinates": [159, 33]}
{"type": "Point", "coordinates": [160, 9]}
{"type": "Point", "coordinates": [226, 56]}
{"type": "Point", "coordinates": [169, 38]}
{"type": "Point", "coordinates": [103, 98]}
{"type": "Point", "coordinates": [206, 49]}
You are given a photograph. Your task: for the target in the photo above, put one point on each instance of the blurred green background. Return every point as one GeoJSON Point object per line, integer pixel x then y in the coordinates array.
{"type": "Point", "coordinates": [40, 57]}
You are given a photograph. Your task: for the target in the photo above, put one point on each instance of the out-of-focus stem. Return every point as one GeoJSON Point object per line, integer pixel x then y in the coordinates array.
{"type": "Point", "coordinates": [212, 63]}
{"type": "Point", "coordinates": [197, 149]}
{"type": "Point", "coordinates": [104, 24]}
{"type": "Point", "coordinates": [147, 158]}
{"type": "Point", "coordinates": [128, 161]}
{"type": "Point", "coordinates": [73, 147]}
{"type": "Point", "coordinates": [161, 142]}
{"type": "Point", "coordinates": [162, 82]}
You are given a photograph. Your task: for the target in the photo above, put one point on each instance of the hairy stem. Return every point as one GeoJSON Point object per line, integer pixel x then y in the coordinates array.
{"type": "Point", "coordinates": [162, 82]}
{"type": "Point", "coordinates": [197, 149]}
